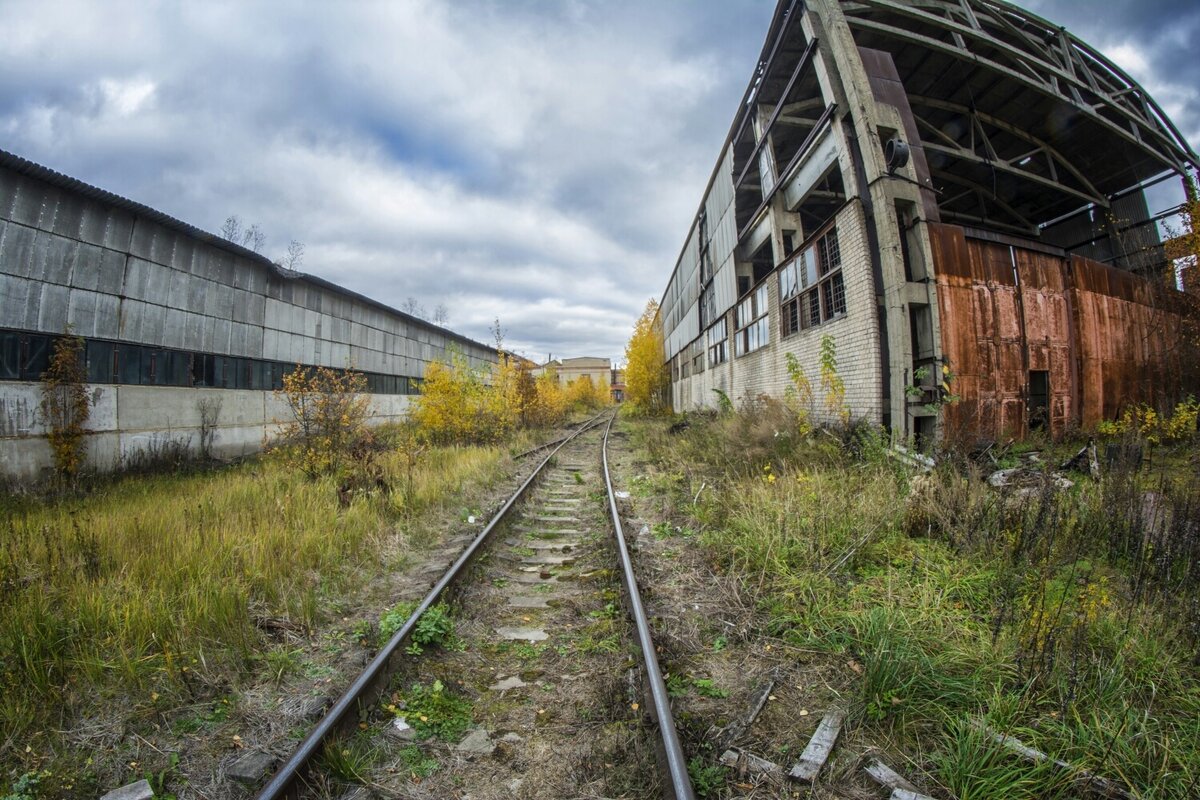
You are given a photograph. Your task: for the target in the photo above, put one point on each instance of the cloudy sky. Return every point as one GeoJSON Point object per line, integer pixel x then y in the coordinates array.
{"type": "Point", "coordinates": [536, 162]}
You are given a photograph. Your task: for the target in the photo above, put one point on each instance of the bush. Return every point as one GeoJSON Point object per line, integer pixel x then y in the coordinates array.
{"type": "Point", "coordinates": [65, 405]}
{"type": "Point", "coordinates": [329, 417]}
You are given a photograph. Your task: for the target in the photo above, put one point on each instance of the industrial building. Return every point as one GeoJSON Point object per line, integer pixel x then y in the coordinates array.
{"type": "Point", "coordinates": [600, 371]}
{"type": "Point", "coordinates": [944, 189]}
{"type": "Point", "coordinates": [175, 320]}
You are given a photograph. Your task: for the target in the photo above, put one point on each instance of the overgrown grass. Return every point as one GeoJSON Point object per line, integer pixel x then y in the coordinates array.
{"type": "Point", "coordinates": [147, 590]}
{"type": "Point", "coordinates": [1067, 617]}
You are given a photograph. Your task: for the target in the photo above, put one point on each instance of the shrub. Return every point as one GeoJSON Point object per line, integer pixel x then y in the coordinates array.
{"type": "Point", "coordinates": [65, 405]}
{"type": "Point", "coordinates": [329, 416]}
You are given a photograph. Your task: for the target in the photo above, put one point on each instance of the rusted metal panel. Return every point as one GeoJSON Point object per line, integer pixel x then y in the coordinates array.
{"type": "Point", "coordinates": [1106, 338]}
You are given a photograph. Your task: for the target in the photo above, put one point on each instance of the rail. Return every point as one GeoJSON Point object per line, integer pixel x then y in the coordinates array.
{"type": "Point", "coordinates": [676, 763]}
{"type": "Point", "coordinates": [284, 782]}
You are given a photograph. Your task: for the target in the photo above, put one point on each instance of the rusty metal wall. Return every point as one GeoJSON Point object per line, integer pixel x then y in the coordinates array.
{"type": "Point", "coordinates": [1105, 337]}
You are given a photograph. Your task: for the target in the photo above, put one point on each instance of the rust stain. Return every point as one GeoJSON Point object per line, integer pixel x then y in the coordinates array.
{"type": "Point", "coordinates": [1104, 337]}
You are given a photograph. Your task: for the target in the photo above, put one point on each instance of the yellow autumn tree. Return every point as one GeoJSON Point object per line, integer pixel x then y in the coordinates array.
{"type": "Point", "coordinates": [646, 378]}
{"type": "Point", "coordinates": [462, 403]}
{"type": "Point", "coordinates": [548, 405]}
{"type": "Point", "coordinates": [584, 394]}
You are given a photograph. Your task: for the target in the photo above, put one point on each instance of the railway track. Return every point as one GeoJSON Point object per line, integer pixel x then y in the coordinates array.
{"type": "Point", "coordinates": [549, 685]}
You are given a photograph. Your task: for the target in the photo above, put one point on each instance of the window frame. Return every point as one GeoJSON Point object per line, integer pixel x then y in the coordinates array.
{"type": "Point", "coordinates": [812, 288]}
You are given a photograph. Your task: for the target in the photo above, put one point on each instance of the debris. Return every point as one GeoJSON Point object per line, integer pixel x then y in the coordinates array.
{"type": "Point", "coordinates": [888, 778]}
{"type": "Point", "coordinates": [1087, 454]}
{"type": "Point", "coordinates": [906, 456]}
{"type": "Point", "coordinates": [134, 791]}
{"type": "Point", "coordinates": [508, 683]}
{"type": "Point", "coordinates": [749, 764]}
{"type": "Point", "coordinates": [251, 767]}
{"type": "Point", "coordinates": [476, 742]}
{"type": "Point", "coordinates": [1027, 481]}
{"type": "Point", "coordinates": [819, 748]}
{"type": "Point", "coordinates": [733, 730]}
{"type": "Point", "coordinates": [621, 495]}
{"type": "Point", "coordinates": [401, 730]}
{"type": "Point", "coordinates": [1102, 785]}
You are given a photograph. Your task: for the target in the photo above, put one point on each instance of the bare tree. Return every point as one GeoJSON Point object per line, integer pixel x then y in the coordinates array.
{"type": "Point", "coordinates": [413, 306]}
{"type": "Point", "coordinates": [254, 239]}
{"type": "Point", "coordinates": [251, 238]}
{"type": "Point", "coordinates": [441, 314]}
{"type": "Point", "coordinates": [232, 229]}
{"type": "Point", "coordinates": [295, 254]}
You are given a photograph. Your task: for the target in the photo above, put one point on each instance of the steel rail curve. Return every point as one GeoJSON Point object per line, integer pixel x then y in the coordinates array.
{"type": "Point", "coordinates": [551, 443]}
{"type": "Point", "coordinates": [284, 782]}
{"type": "Point", "coordinates": [676, 763]}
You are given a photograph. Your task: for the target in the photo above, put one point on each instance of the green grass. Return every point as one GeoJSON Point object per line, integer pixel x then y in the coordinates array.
{"type": "Point", "coordinates": [1059, 617]}
{"type": "Point", "coordinates": [146, 588]}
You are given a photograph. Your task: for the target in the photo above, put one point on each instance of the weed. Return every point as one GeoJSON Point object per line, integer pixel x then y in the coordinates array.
{"type": "Point", "coordinates": [610, 611]}
{"type": "Point", "coordinates": [283, 661]}
{"type": "Point", "coordinates": [26, 787]}
{"type": "Point", "coordinates": [578, 477]}
{"type": "Point", "coordinates": [435, 628]}
{"type": "Point", "coordinates": [706, 688]}
{"type": "Point", "coordinates": [707, 779]}
{"type": "Point", "coordinates": [350, 759]}
{"type": "Point", "coordinates": [677, 685]}
{"type": "Point", "coordinates": [719, 644]}
{"type": "Point", "coordinates": [416, 763]}
{"type": "Point", "coordinates": [434, 712]}
{"type": "Point", "coordinates": [158, 780]}
{"type": "Point", "coordinates": [974, 767]}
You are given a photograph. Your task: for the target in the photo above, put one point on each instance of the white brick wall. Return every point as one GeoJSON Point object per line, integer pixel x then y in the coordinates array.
{"type": "Point", "coordinates": [856, 336]}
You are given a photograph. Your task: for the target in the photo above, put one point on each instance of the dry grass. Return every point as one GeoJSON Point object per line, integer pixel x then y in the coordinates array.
{"type": "Point", "coordinates": [1068, 617]}
{"type": "Point", "coordinates": [150, 592]}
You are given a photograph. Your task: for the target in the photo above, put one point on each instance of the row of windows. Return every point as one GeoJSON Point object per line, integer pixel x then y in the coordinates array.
{"type": "Point", "coordinates": [25, 356]}
{"type": "Point", "coordinates": [811, 292]}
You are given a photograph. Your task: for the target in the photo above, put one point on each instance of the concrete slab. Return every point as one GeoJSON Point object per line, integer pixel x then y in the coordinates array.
{"type": "Point", "coordinates": [528, 601]}
{"type": "Point", "coordinates": [134, 791]}
{"type": "Point", "coordinates": [523, 634]}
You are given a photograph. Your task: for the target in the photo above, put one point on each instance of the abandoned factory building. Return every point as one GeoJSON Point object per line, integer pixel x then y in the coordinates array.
{"type": "Point", "coordinates": [178, 325]}
{"type": "Point", "coordinates": [955, 186]}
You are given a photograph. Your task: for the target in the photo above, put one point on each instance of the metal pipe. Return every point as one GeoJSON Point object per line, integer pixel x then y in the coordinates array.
{"type": "Point", "coordinates": [676, 763]}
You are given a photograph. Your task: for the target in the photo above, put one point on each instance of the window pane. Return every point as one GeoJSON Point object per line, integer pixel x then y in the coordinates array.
{"type": "Point", "coordinates": [174, 368]}
{"type": "Point", "coordinates": [810, 268]}
{"type": "Point", "coordinates": [837, 292]}
{"type": "Point", "coordinates": [37, 357]}
{"type": "Point", "coordinates": [10, 356]}
{"type": "Point", "coordinates": [129, 364]}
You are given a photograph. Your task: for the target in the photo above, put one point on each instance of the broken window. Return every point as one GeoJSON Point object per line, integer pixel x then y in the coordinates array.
{"type": "Point", "coordinates": [718, 352]}
{"type": "Point", "coordinates": [811, 288]}
{"type": "Point", "coordinates": [751, 322]}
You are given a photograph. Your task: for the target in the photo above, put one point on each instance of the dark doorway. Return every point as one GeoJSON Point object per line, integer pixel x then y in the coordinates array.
{"type": "Point", "coordinates": [1039, 400]}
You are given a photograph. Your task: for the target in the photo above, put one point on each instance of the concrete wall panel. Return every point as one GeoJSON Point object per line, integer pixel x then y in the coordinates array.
{"type": "Point", "coordinates": [17, 250]}
{"type": "Point", "coordinates": [52, 312]}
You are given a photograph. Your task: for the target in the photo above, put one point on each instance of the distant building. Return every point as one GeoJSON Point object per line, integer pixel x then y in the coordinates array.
{"type": "Point", "coordinates": [173, 316]}
{"type": "Point", "coordinates": [942, 190]}
{"type": "Point", "coordinates": [598, 370]}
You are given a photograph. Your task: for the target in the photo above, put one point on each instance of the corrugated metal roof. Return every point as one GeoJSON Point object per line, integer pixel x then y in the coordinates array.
{"type": "Point", "coordinates": [32, 169]}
